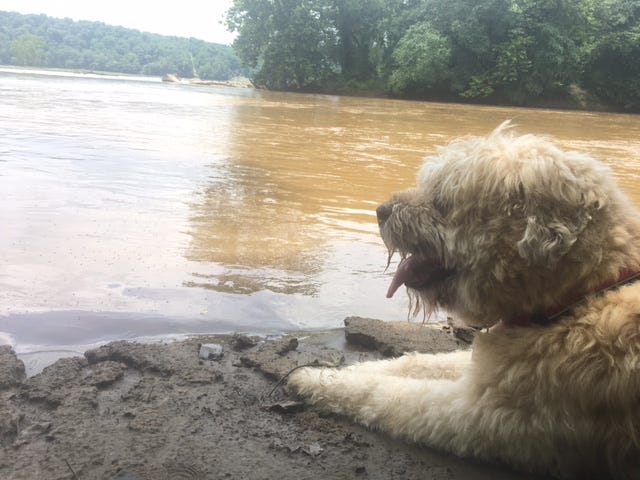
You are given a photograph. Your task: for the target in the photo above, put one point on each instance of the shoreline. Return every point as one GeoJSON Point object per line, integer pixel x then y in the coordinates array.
{"type": "Point", "coordinates": [134, 411]}
{"type": "Point", "coordinates": [576, 100]}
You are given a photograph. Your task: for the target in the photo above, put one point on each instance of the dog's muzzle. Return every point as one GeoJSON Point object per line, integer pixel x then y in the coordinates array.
{"type": "Point", "coordinates": [417, 271]}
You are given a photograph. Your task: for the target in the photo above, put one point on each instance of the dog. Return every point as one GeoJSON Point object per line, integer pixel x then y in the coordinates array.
{"type": "Point", "coordinates": [511, 232]}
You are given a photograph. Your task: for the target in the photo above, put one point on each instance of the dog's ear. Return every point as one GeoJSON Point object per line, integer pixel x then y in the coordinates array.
{"type": "Point", "coordinates": [551, 232]}
{"type": "Point", "coordinates": [546, 241]}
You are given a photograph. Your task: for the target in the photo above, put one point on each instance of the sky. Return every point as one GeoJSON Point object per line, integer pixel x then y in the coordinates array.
{"type": "Point", "coordinates": [183, 18]}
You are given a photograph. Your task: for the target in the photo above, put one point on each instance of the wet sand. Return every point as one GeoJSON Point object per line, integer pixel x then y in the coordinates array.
{"type": "Point", "coordinates": [162, 411]}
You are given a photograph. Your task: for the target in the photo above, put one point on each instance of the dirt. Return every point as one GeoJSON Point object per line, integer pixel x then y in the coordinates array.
{"type": "Point", "coordinates": [132, 411]}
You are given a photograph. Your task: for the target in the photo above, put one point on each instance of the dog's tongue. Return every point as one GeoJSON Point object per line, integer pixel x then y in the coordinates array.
{"type": "Point", "coordinates": [405, 273]}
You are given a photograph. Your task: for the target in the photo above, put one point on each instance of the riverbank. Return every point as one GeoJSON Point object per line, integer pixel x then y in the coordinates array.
{"type": "Point", "coordinates": [208, 408]}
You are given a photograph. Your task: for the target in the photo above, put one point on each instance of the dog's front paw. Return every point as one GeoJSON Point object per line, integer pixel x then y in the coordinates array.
{"type": "Point", "coordinates": [306, 382]}
{"type": "Point", "coordinates": [333, 389]}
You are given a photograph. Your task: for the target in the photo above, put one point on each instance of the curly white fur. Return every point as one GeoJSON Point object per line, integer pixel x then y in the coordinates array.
{"type": "Point", "coordinates": [518, 227]}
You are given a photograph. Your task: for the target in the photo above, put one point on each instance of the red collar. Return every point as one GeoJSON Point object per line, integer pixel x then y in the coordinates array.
{"type": "Point", "coordinates": [627, 276]}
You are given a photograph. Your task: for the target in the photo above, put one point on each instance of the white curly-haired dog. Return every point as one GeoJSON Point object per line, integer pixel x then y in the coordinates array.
{"type": "Point", "coordinates": [512, 232]}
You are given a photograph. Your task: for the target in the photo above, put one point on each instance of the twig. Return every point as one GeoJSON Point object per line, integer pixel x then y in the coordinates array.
{"type": "Point", "coordinates": [315, 363]}
{"type": "Point", "coordinates": [69, 467]}
{"type": "Point", "coordinates": [150, 392]}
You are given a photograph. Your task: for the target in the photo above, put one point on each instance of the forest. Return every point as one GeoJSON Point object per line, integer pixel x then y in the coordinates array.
{"type": "Point", "coordinates": [42, 41]}
{"type": "Point", "coordinates": [517, 52]}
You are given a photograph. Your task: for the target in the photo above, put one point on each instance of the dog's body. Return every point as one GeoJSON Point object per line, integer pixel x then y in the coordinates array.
{"type": "Point", "coordinates": [499, 231]}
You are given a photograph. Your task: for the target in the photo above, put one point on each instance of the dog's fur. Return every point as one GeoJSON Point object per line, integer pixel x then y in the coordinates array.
{"type": "Point", "coordinates": [500, 229]}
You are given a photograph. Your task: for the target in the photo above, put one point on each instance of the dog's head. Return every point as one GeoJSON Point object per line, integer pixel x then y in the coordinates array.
{"type": "Point", "coordinates": [504, 226]}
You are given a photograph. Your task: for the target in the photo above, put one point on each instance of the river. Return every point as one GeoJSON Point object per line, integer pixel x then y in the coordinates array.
{"type": "Point", "coordinates": [132, 208]}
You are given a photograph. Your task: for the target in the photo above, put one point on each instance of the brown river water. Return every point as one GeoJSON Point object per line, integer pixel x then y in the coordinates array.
{"type": "Point", "coordinates": [132, 208]}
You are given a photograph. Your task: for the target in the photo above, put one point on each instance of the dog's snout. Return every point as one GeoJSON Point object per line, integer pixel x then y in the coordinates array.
{"type": "Point", "coordinates": [384, 212]}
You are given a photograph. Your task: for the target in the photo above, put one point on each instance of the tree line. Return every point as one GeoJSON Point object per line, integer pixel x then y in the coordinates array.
{"type": "Point", "coordinates": [42, 41]}
{"type": "Point", "coordinates": [522, 52]}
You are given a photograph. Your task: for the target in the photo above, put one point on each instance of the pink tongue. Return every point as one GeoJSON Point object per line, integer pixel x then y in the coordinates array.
{"type": "Point", "coordinates": [403, 273]}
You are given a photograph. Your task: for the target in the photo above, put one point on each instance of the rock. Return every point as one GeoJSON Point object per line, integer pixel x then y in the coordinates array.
{"type": "Point", "coordinates": [32, 431]}
{"type": "Point", "coordinates": [461, 330]}
{"type": "Point", "coordinates": [134, 355]}
{"type": "Point", "coordinates": [211, 351]}
{"type": "Point", "coordinates": [289, 406]}
{"type": "Point", "coordinates": [53, 384]}
{"type": "Point", "coordinates": [171, 78]}
{"type": "Point", "coordinates": [240, 341]}
{"type": "Point", "coordinates": [313, 450]}
{"type": "Point", "coordinates": [238, 82]}
{"type": "Point", "coordinates": [287, 346]}
{"type": "Point", "coordinates": [392, 339]}
{"type": "Point", "coordinates": [276, 358]}
{"type": "Point", "coordinates": [10, 421]}
{"type": "Point", "coordinates": [12, 371]}
{"type": "Point", "coordinates": [168, 360]}
{"type": "Point", "coordinates": [105, 373]}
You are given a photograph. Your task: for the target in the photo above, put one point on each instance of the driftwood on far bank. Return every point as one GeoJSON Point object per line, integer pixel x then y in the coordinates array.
{"type": "Point", "coordinates": [239, 82]}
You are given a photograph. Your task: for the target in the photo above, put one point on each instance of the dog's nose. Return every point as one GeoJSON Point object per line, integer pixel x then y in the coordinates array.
{"type": "Point", "coordinates": [384, 212]}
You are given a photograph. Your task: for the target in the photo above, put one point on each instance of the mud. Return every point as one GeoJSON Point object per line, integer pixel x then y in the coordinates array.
{"type": "Point", "coordinates": [133, 411]}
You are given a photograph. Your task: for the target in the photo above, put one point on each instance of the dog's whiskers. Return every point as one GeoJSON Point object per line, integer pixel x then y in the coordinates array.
{"type": "Point", "coordinates": [391, 253]}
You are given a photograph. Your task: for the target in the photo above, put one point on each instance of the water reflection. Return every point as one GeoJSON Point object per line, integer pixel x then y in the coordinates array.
{"type": "Point", "coordinates": [251, 224]}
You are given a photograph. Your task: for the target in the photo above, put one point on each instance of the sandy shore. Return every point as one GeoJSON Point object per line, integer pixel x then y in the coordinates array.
{"type": "Point", "coordinates": [132, 411]}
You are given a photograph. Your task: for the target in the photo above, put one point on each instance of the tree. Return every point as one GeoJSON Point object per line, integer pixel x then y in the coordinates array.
{"type": "Point", "coordinates": [289, 42]}
{"type": "Point", "coordinates": [515, 51]}
{"type": "Point", "coordinates": [520, 51]}
{"type": "Point", "coordinates": [421, 61]}
{"type": "Point", "coordinates": [357, 36]}
{"type": "Point", "coordinates": [611, 67]}
{"type": "Point", "coordinates": [28, 50]}
{"type": "Point", "coordinates": [38, 40]}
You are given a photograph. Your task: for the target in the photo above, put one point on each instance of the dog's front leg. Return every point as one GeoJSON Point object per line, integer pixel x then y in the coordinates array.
{"type": "Point", "coordinates": [399, 405]}
{"type": "Point", "coordinates": [449, 365]}
{"type": "Point", "coordinates": [449, 415]}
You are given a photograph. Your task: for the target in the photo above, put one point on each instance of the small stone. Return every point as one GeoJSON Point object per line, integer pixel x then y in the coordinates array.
{"type": "Point", "coordinates": [211, 351]}
{"type": "Point", "coordinates": [461, 330]}
{"type": "Point", "coordinates": [313, 450]}
{"type": "Point", "coordinates": [285, 346]}
{"type": "Point", "coordinates": [291, 406]}
{"type": "Point", "coordinates": [240, 341]}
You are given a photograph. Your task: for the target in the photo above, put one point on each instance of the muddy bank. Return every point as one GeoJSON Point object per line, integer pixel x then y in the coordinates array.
{"type": "Point", "coordinates": [209, 408]}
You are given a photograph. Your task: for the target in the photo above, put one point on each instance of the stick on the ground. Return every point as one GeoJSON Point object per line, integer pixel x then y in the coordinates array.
{"type": "Point", "coordinates": [69, 467]}
{"type": "Point", "coordinates": [315, 363]}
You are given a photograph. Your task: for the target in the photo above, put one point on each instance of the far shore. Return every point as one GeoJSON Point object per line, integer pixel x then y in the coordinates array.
{"type": "Point", "coordinates": [576, 99]}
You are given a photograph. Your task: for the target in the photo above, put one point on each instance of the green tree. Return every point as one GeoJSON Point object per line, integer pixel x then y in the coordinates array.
{"type": "Point", "coordinates": [39, 40]}
{"type": "Point", "coordinates": [421, 61]}
{"type": "Point", "coordinates": [289, 42]}
{"type": "Point", "coordinates": [611, 67]}
{"type": "Point", "coordinates": [28, 50]}
{"type": "Point", "coordinates": [518, 51]}
{"type": "Point", "coordinates": [358, 36]}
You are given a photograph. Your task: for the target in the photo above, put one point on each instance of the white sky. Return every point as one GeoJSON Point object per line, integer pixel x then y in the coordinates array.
{"type": "Point", "coordinates": [183, 18]}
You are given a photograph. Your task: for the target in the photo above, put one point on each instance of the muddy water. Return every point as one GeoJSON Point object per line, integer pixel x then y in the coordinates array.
{"type": "Point", "coordinates": [134, 208]}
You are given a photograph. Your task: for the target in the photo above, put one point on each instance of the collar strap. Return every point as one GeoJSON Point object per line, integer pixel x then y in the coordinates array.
{"type": "Point", "coordinates": [627, 276]}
